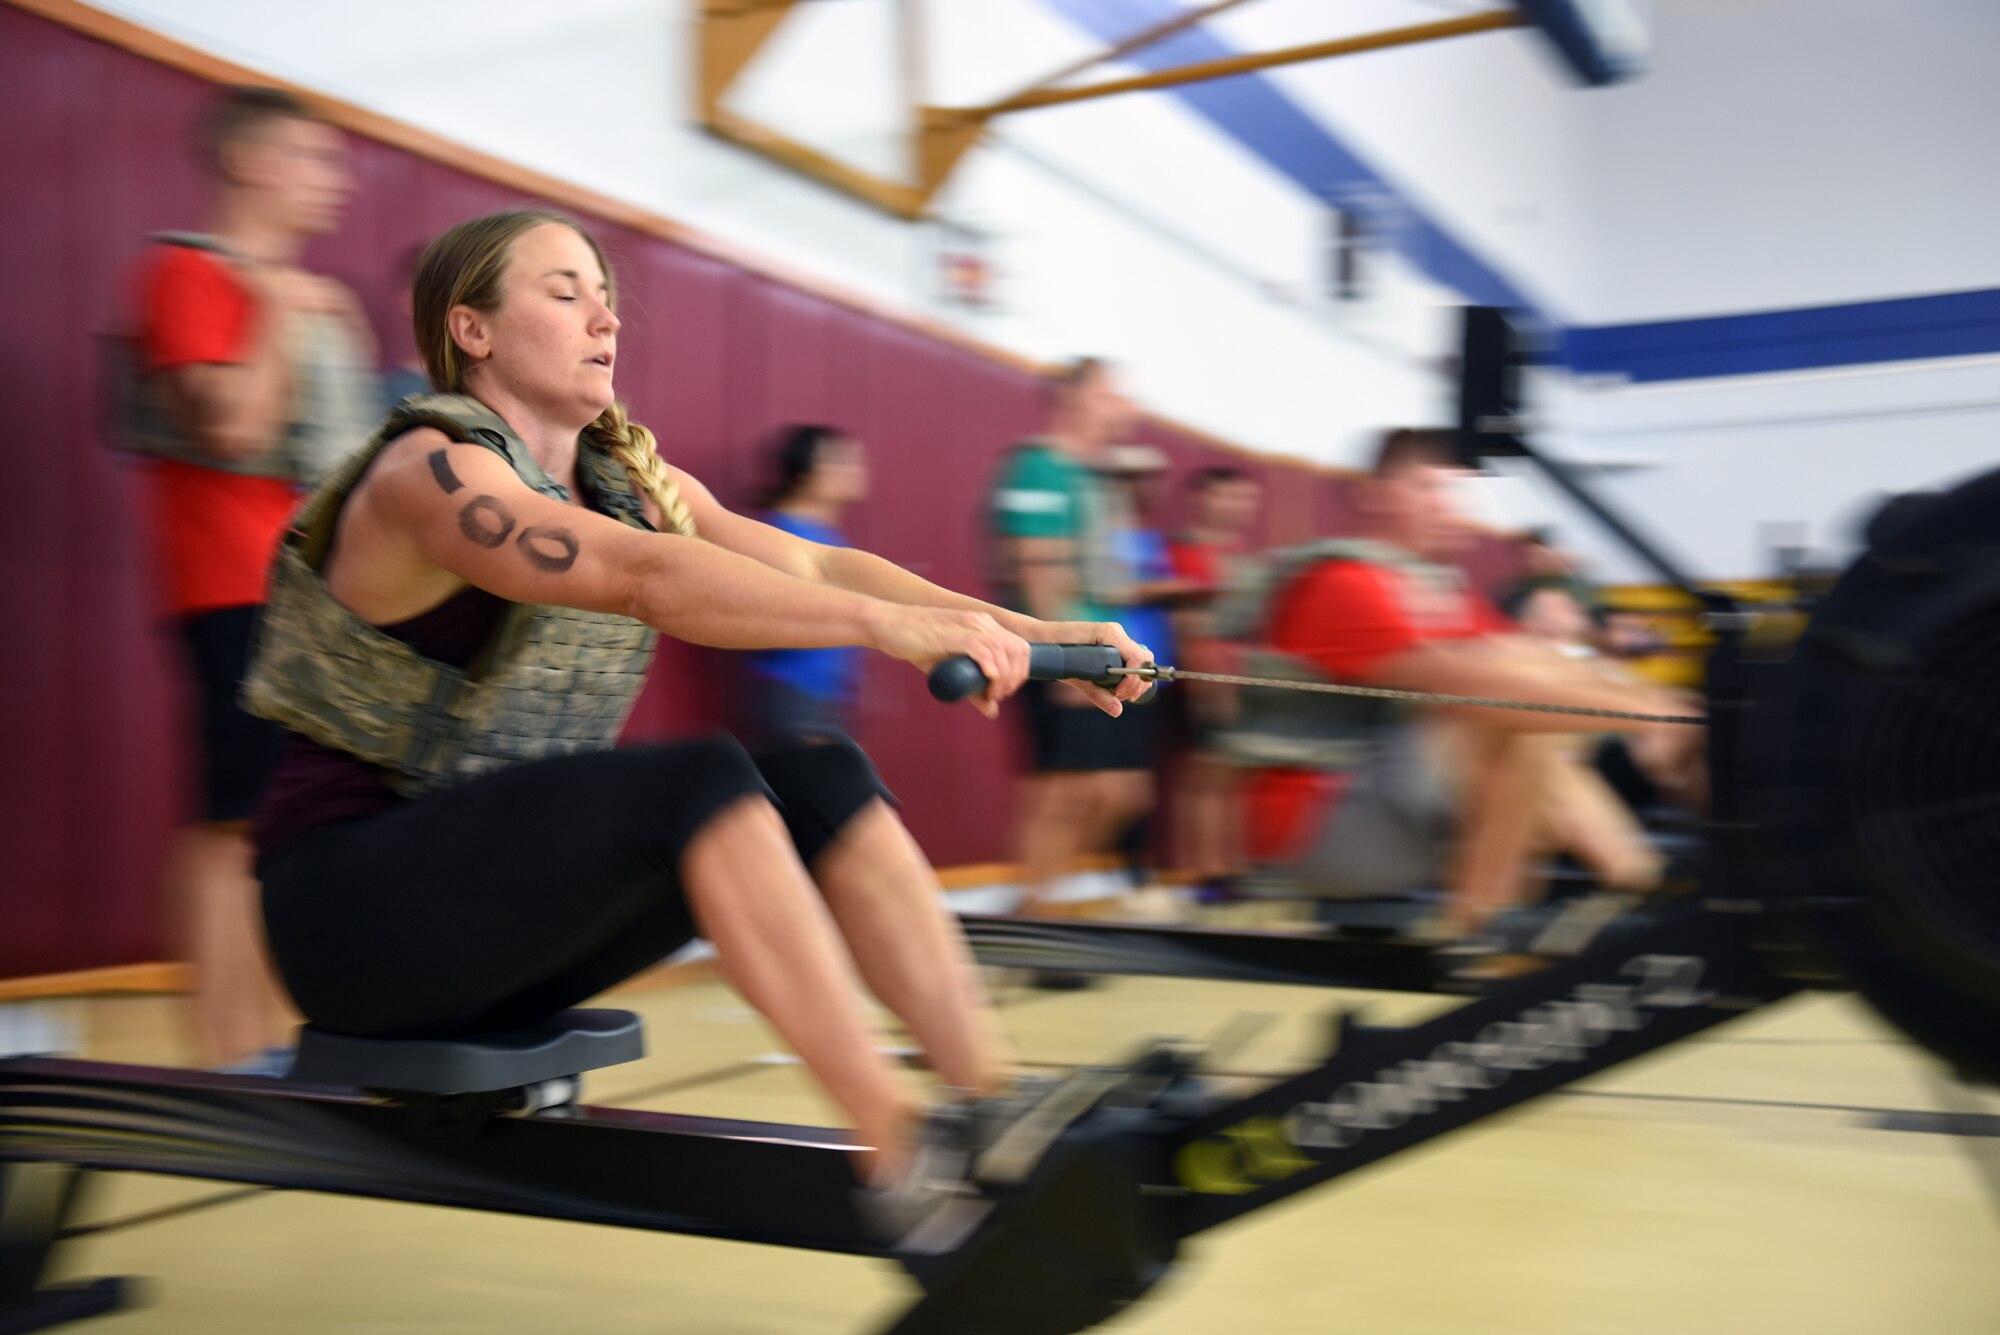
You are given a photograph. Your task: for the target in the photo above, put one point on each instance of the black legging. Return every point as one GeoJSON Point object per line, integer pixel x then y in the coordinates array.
{"type": "Point", "coordinates": [503, 900]}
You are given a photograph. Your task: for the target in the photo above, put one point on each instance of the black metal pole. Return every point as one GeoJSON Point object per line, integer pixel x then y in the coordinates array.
{"type": "Point", "coordinates": [1176, 951]}
{"type": "Point", "coordinates": [1573, 486]}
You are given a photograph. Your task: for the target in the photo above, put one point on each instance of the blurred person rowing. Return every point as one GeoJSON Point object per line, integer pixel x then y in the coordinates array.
{"type": "Point", "coordinates": [1408, 797]}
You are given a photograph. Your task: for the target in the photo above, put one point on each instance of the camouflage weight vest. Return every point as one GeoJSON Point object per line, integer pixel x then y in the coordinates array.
{"type": "Point", "coordinates": [552, 681]}
{"type": "Point", "coordinates": [1308, 729]}
{"type": "Point", "coordinates": [334, 397]}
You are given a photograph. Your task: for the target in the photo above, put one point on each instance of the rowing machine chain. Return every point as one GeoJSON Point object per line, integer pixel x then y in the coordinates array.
{"type": "Point", "coordinates": [1155, 672]}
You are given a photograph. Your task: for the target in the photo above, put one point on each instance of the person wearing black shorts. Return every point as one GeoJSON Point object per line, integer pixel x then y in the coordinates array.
{"type": "Point", "coordinates": [425, 877]}
{"type": "Point", "coordinates": [238, 1013]}
{"type": "Point", "coordinates": [228, 332]}
{"type": "Point", "coordinates": [1056, 525]}
{"type": "Point", "coordinates": [236, 749]}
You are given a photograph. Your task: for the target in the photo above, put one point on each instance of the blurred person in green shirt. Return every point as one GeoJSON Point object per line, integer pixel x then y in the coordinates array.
{"type": "Point", "coordinates": [1057, 524]}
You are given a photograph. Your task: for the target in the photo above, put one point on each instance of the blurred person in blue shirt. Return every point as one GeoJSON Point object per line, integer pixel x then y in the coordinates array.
{"type": "Point", "coordinates": [1140, 471]}
{"type": "Point", "coordinates": [807, 694]}
{"type": "Point", "coordinates": [1137, 475]}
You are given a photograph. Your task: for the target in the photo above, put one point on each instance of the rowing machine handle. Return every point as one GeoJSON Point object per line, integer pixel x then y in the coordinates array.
{"type": "Point", "coordinates": [957, 678]}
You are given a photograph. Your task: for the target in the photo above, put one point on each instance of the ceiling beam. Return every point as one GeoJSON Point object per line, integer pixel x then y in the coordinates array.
{"type": "Point", "coordinates": [1145, 37]}
{"type": "Point", "coordinates": [732, 32]}
{"type": "Point", "coordinates": [1032, 99]}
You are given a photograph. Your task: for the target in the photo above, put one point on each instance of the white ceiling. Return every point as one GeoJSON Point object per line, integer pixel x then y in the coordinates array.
{"type": "Point", "coordinates": [1782, 153]}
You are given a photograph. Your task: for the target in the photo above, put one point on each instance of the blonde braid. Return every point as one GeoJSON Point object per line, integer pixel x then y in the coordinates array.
{"type": "Point", "coordinates": [632, 446]}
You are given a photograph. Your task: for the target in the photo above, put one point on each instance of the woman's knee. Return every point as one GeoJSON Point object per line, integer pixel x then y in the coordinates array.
{"type": "Point", "coordinates": [667, 797]}
{"type": "Point", "coordinates": [711, 770]}
{"type": "Point", "coordinates": [748, 821]}
{"type": "Point", "coordinates": [836, 769]}
{"type": "Point", "coordinates": [820, 789]}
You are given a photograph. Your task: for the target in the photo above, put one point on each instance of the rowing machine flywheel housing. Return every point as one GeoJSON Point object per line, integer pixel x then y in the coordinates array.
{"type": "Point", "coordinates": [1863, 774]}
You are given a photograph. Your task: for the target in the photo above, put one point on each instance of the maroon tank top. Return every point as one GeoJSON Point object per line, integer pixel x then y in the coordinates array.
{"type": "Point", "coordinates": [314, 785]}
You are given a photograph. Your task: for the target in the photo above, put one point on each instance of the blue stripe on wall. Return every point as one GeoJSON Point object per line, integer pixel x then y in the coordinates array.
{"type": "Point", "coordinates": [1951, 324]}
{"type": "Point", "coordinates": [1251, 110]}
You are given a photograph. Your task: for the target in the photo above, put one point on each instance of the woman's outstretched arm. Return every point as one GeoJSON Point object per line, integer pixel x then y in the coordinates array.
{"type": "Point", "coordinates": [872, 576]}
{"type": "Point", "coordinates": [430, 505]}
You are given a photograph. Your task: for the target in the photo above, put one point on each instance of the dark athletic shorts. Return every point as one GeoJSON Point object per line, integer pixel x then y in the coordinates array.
{"type": "Point", "coordinates": [1083, 739]}
{"type": "Point", "coordinates": [507, 898]}
{"type": "Point", "coordinates": [235, 750]}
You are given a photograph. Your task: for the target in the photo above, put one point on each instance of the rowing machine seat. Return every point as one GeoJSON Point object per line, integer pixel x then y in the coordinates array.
{"type": "Point", "coordinates": [563, 1045]}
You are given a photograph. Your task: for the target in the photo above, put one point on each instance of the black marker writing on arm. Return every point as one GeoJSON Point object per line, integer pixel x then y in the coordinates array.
{"type": "Point", "coordinates": [551, 549]}
{"type": "Point", "coordinates": [486, 521]}
{"type": "Point", "coordinates": [441, 470]}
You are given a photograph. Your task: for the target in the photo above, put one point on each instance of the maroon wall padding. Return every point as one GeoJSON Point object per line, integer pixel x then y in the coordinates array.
{"type": "Point", "coordinates": [95, 146]}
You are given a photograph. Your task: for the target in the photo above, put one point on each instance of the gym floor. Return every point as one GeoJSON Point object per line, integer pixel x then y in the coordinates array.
{"type": "Point", "coordinates": [1750, 1180]}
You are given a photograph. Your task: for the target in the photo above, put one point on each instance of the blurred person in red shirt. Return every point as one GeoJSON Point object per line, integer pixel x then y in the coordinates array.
{"type": "Point", "coordinates": [1212, 553]}
{"type": "Point", "coordinates": [251, 376]}
{"type": "Point", "coordinates": [1227, 502]}
{"type": "Point", "coordinates": [1453, 795]}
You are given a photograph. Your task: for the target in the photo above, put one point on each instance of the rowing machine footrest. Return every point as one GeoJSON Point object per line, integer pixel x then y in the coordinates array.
{"type": "Point", "coordinates": [1078, 1242]}
{"type": "Point", "coordinates": [561, 1046]}
{"type": "Point", "coordinates": [60, 1304]}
